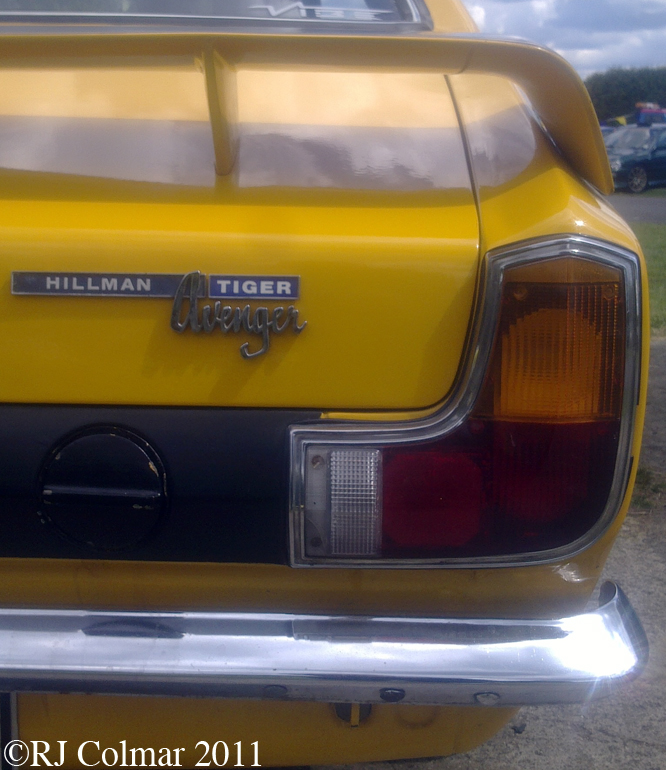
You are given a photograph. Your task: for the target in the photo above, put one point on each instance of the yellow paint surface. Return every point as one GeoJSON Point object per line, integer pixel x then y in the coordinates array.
{"type": "Point", "coordinates": [387, 287]}
{"type": "Point", "coordinates": [286, 733]}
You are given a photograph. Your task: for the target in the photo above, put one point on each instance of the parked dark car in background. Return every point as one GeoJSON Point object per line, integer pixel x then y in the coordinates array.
{"type": "Point", "coordinates": [637, 156]}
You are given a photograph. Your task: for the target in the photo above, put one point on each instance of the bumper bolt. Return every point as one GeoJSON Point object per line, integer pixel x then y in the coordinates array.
{"type": "Point", "coordinates": [275, 691]}
{"type": "Point", "coordinates": [391, 695]}
{"type": "Point", "coordinates": [487, 698]}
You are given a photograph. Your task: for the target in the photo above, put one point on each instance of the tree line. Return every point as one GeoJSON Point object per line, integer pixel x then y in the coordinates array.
{"type": "Point", "coordinates": [616, 91]}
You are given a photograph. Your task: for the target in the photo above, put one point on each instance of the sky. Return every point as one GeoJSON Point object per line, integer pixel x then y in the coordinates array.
{"type": "Point", "coordinates": [592, 34]}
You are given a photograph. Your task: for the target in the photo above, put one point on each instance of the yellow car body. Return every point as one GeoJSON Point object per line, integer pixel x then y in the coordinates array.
{"type": "Point", "coordinates": [390, 279]}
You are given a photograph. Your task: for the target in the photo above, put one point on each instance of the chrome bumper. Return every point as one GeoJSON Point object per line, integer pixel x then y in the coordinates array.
{"type": "Point", "coordinates": [318, 658]}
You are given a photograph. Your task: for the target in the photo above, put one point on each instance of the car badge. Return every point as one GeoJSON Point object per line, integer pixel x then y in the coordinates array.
{"type": "Point", "coordinates": [188, 293]}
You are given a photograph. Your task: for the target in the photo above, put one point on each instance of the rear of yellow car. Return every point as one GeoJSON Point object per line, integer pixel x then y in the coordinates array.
{"type": "Point", "coordinates": [324, 384]}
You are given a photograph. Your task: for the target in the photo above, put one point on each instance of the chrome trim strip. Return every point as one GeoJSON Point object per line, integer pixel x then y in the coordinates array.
{"type": "Point", "coordinates": [463, 397]}
{"type": "Point", "coordinates": [325, 658]}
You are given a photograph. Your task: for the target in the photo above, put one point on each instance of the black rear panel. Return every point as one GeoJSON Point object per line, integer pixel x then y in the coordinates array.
{"type": "Point", "coordinates": [161, 484]}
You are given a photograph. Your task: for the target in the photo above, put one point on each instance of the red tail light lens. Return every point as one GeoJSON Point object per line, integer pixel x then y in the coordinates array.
{"type": "Point", "coordinates": [433, 500]}
{"type": "Point", "coordinates": [529, 468]}
{"type": "Point", "coordinates": [506, 488]}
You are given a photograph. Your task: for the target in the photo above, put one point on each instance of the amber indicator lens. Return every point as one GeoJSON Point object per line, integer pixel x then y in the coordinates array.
{"type": "Point", "coordinates": [559, 352]}
{"type": "Point", "coordinates": [529, 470]}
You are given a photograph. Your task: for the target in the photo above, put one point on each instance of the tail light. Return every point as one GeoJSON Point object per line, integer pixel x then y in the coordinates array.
{"type": "Point", "coordinates": [530, 457]}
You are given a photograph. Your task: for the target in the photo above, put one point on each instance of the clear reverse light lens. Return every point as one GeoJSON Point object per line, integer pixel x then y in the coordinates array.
{"type": "Point", "coordinates": [355, 508]}
{"type": "Point", "coordinates": [343, 501]}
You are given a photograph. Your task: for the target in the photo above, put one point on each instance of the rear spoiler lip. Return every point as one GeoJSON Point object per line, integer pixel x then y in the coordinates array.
{"type": "Point", "coordinates": [553, 87]}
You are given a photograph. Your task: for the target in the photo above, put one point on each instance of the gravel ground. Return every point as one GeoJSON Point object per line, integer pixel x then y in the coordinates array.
{"type": "Point", "coordinates": [638, 208]}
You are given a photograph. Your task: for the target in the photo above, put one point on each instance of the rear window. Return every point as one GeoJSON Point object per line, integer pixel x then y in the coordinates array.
{"type": "Point", "coordinates": [373, 13]}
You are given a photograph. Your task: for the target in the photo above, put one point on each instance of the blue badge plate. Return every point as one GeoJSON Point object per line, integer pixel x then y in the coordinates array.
{"type": "Point", "coordinates": [189, 293]}
{"type": "Point", "coordinates": [96, 284]}
{"type": "Point", "coordinates": [246, 287]}
{"type": "Point", "coordinates": [253, 286]}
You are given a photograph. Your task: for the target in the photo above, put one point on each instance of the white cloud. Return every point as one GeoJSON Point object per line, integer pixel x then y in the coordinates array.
{"type": "Point", "coordinates": [543, 10]}
{"type": "Point", "coordinates": [478, 13]}
{"type": "Point", "coordinates": [592, 34]}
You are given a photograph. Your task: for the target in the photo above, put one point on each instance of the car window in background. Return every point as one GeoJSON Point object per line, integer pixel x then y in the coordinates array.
{"type": "Point", "coordinates": [629, 139]}
{"type": "Point", "coordinates": [610, 139]}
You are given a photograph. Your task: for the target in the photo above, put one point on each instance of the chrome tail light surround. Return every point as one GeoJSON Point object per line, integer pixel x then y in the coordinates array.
{"type": "Point", "coordinates": [312, 446]}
